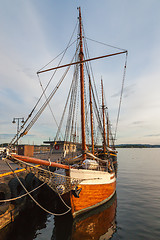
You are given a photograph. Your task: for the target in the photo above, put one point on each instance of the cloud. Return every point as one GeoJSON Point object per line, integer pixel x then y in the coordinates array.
{"type": "Point", "coordinates": [153, 135]}
{"type": "Point", "coordinates": [31, 35]}
{"type": "Point", "coordinates": [127, 91]}
{"type": "Point", "coordinates": [138, 122]}
{"type": "Point", "coordinates": [6, 136]}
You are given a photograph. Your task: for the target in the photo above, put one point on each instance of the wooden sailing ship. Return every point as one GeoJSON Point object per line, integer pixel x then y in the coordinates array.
{"type": "Point", "coordinates": [89, 180]}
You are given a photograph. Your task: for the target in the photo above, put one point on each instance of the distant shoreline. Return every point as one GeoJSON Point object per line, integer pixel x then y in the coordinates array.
{"type": "Point", "coordinates": [117, 146]}
{"type": "Point", "coordinates": [137, 146]}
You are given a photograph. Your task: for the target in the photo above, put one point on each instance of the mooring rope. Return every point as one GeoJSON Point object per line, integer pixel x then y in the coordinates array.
{"type": "Point", "coordinates": [23, 195]}
{"type": "Point", "coordinates": [38, 204]}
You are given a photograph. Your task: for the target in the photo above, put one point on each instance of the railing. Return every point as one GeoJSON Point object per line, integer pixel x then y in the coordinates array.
{"type": "Point", "coordinates": [106, 166]}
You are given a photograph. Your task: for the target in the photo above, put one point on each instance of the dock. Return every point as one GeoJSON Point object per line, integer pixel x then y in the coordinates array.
{"type": "Point", "coordinates": [11, 188]}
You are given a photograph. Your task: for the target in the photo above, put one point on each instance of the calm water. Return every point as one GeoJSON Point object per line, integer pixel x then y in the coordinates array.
{"type": "Point", "coordinates": [133, 213]}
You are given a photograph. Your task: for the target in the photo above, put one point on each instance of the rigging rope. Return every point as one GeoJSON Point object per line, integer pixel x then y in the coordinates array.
{"type": "Point", "coordinates": [89, 66]}
{"type": "Point", "coordinates": [120, 100]}
{"type": "Point", "coordinates": [71, 106]}
{"type": "Point", "coordinates": [64, 111]}
{"type": "Point", "coordinates": [17, 136]}
{"type": "Point", "coordinates": [65, 107]}
{"type": "Point", "coordinates": [64, 51]}
{"type": "Point", "coordinates": [74, 107]}
{"type": "Point", "coordinates": [44, 105]}
{"type": "Point", "coordinates": [96, 100]}
{"type": "Point", "coordinates": [38, 204]}
{"type": "Point", "coordinates": [97, 113]}
{"type": "Point", "coordinates": [108, 45]}
{"type": "Point", "coordinates": [48, 103]}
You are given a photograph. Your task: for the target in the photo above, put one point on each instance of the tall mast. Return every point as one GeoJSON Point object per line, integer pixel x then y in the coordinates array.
{"type": "Point", "coordinates": [107, 131]}
{"type": "Point", "coordinates": [82, 88]}
{"type": "Point", "coordinates": [104, 127]}
{"type": "Point", "coordinates": [91, 115]}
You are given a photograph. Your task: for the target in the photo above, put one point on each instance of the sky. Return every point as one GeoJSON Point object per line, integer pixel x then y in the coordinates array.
{"type": "Point", "coordinates": [34, 32]}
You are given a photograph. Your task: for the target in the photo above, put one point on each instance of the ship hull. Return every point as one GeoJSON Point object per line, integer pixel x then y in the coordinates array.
{"type": "Point", "coordinates": [97, 187]}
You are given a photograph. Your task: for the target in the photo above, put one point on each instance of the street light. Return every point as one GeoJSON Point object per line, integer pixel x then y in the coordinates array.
{"type": "Point", "coordinates": [18, 124]}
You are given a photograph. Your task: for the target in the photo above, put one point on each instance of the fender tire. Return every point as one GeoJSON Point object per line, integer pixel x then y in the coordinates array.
{"type": "Point", "coordinates": [5, 193]}
{"type": "Point", "coordinates": [17, 190]}
{"type": "Point", "coordinates": [31, 183]}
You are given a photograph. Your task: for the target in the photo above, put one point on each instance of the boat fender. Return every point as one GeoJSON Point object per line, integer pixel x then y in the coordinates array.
{"type": "Point", "coordinates": [5, 193]}
{"type": "Point", "coordinates": [31, 183]}
{"type": "Point", "coordinates": [61, 189]}
{"type": "Point", "coordinates": [76, 192]}
{"type": "Point", "coordinates": [17, 190]}
{"type": "Point", "coordinates": [52, 169]}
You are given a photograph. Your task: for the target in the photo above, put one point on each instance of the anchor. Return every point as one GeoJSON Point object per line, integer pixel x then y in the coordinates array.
{"type": "Point", "coordinates": [76, 192]}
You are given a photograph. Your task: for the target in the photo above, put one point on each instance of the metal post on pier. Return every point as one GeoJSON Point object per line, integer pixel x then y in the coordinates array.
{"type": "Point", "coordinates": [18, 124]}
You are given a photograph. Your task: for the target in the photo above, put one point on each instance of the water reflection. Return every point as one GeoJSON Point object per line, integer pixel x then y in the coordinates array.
{"type": "Point", "coordinates": [97, 224]}
{"type": "Point", "coordinates": [36, 224]}
{"type": "Point", "coordinates": [137, 212]}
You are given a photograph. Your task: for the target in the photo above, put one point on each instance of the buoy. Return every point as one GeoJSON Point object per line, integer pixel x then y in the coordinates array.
{"type": "Point", "coordinates": [56, 147]}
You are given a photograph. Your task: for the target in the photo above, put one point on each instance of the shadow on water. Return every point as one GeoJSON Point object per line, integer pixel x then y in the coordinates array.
{"type": "Point", "coordinates": [31, 219]}
{"type": "Point", "coordinates": [34, 223]}
{"type": "Point", "coordinates": [25, 226]}
{"type": "Point", "coordinates": [96, 224]}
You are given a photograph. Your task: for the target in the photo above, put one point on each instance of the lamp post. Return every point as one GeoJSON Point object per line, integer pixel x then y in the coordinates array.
{"type": "Point", "coordinates": [18, 124]}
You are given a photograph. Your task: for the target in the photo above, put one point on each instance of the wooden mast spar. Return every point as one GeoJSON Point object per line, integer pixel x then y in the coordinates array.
{"type": "Point", "coordinates": [91, 115]}
{"type": "Point", "coordinates": [82, 88]}
{"type": "Point", "coordinates": [104, 127]}
{"type": "Point", "coordinates": [107, 130]}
